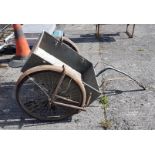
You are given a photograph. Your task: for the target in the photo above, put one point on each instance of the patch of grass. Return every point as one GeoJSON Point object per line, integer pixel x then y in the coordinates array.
{"type": "Point", "coordinates": [140, 49]}
{"type": "Point", "coordinates": [76, 120]}
{"type": "Point", "coordinates": [104, 101]}
{"type": "Point", "coordinates": [105, 123]}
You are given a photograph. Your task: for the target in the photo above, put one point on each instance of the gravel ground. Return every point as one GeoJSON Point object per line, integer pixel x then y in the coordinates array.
{"type": "Point", "coordinates": [128, 109]}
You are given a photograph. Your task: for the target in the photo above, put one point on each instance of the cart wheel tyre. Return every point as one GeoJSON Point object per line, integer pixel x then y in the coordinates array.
{"type": "Point", "coordinates": [36, 85]}
{"type": "Point", "coordinates": [70, 44]}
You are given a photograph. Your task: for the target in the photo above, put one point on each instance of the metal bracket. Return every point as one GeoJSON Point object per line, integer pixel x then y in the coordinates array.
{"type": "Point", "coordinates": [69, 106]}
{"type": "Point", "coordinates": [130, 35]}
{"type": "Point", "coordinates": [88, 100]}
{"type": "Point", "coordinates": [97, 30]}
{"type": "Point", "coordinates": [59, 84]}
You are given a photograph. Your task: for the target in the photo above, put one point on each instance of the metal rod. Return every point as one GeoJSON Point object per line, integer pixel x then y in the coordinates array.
{"type": "Point", "coordinates": [130, 35]}
{"type": "Point", "coordinates": [2, 46]}
{"type": "Point", "coordinates": [111, 68]}
{"type": "Point", "coordinates": [9, 37]}
{"type": "Point", "coordinates": [133, 29]}
{"type": "Point", "coordinates": [59, 84]}
{"type": "Point", "coordinates": [89, 98]}
{"type": "Point", "coordinates": [66, 99]}
{"type": "Point", "coordinates": [97, 30]}
{"type": "Point", "coordinates": [69, 106]}
{"type": "Point", "coordinates": [41, 88]}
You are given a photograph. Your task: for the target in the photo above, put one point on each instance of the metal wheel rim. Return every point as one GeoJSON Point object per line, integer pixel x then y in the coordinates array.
{"type": "Point", "coordinates": [41, 68]}
{"type": "Point", "coordinates": [70, 44]}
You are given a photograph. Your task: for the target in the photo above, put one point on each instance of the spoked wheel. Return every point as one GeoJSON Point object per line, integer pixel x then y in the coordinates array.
{"type": "Point", "coordinates": [50, 93]}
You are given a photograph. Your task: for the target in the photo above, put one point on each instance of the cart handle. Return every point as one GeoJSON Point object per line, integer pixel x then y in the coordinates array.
{"type": "Point", "coordinates": [112, 68]}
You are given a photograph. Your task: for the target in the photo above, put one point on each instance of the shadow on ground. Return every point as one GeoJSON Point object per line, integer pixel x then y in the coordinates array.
{"type": "Point", "coordinates": [89, 38]}
{"type": "Point", "coordinates": [4, 61]}
{"type": "Point", "coordinates": [8, 50]}
{"type": "Point", "coordinates": [11, 113]}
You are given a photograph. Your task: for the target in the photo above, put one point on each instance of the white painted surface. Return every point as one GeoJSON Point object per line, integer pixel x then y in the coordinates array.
{"type": "Point", "coordinates": [38, 28]}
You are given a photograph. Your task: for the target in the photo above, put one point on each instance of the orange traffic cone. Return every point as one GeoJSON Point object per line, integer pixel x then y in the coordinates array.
{"type": "Point", "coordinates": [22, 48]}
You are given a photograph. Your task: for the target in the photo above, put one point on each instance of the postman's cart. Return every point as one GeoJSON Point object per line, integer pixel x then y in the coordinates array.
{"type": "Point", "coordinates": [56, 82]}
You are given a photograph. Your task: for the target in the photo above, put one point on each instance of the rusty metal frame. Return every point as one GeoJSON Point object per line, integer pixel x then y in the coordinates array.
{"type": "Point", "coordinates": [58, 85]}
{"type": "Point", "coordinates": [130, 34]}
{"type": "Point", "coordinates": [98, 30]}
{"type": "Point", "coordinates": [69, 106]}
{"type": "Point", "coordinates": [88, 100]}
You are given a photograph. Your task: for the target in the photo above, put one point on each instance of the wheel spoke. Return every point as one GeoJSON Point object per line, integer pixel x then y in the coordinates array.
{"type": "Point", "coordinates": [41, 87]}
{"type": "Point", "coordinates": [58, 85]}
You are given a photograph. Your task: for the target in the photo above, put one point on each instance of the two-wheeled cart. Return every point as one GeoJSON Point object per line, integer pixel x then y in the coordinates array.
{"type": "Point", "coordinates": [57, 82]}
